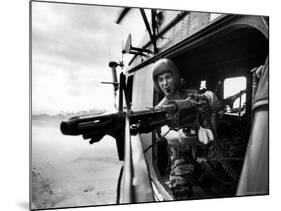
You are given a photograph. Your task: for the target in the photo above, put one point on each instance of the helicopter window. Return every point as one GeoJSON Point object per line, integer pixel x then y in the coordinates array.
{"type": "Point", "coordinates": [203, 85]}
{"type": "Point", "coordinates": [235, 95]}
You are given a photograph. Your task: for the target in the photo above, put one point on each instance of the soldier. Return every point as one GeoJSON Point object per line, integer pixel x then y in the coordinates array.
{"type": "Point", "coordinates": [182, 143]}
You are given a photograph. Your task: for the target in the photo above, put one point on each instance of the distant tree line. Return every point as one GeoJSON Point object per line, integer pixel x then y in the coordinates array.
{"type": "Point", "coordinates": [64, 115]}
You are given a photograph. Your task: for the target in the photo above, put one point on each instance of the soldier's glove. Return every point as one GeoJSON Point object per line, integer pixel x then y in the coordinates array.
{"type": "Point", "coordinates": [205, 136]}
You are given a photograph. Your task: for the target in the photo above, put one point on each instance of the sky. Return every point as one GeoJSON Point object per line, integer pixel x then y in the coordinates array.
{"type": "Point", "coordinates": [71, 48]}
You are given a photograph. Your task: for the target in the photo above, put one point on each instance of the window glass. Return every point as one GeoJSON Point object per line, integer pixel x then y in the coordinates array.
{"type": "Point", "coordinates": [234, 94]}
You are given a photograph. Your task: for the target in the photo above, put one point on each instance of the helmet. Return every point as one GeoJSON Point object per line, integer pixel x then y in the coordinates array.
{"type": "Point", "coordinates": [163, 66]}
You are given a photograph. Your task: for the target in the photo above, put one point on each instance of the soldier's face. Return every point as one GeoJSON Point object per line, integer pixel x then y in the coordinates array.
{"type": "Point", "coordinates": [166, 83]}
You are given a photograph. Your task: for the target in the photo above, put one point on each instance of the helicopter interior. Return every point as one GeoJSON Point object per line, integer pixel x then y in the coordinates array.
{"type": "Point", "coordinates": [222, 64]}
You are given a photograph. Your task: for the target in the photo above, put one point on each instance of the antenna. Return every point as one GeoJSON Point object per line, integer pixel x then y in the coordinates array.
{"type": "Point", "coordinates": [116, 85]}
{"type": "Point", "coordinates": [129, 49]}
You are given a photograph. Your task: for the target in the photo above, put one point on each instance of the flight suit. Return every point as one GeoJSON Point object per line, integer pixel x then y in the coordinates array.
{"type": "Point", "coordinates": [182, 143]}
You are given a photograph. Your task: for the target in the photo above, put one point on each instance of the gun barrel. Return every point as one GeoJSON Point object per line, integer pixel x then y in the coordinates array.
{"type": "Point", "coordinates": [68, 129]}
{"type": "Point", "coordinates": [80, 125]}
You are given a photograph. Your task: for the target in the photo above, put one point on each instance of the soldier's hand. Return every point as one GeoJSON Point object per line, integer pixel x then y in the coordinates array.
{"type": "Point", "coordinates": [258, 70]}
{"type": "Point", "coordinates": [205, 135]}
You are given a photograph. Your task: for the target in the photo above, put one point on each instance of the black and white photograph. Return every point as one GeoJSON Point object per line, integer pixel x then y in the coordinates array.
{"type": "Point", "coordinates": [133, 105]}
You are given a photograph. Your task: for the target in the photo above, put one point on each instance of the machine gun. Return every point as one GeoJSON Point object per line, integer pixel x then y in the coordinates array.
{"type": "Point", "coordinates": [177, 114]}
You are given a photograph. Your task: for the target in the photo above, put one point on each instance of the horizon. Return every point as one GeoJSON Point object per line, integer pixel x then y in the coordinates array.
{"type": "Point", "coordinates": [98, 110]}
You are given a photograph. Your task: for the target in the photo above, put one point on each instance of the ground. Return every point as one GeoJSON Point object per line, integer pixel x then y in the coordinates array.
{"type": "Point", "coordinates": [67, 171]}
